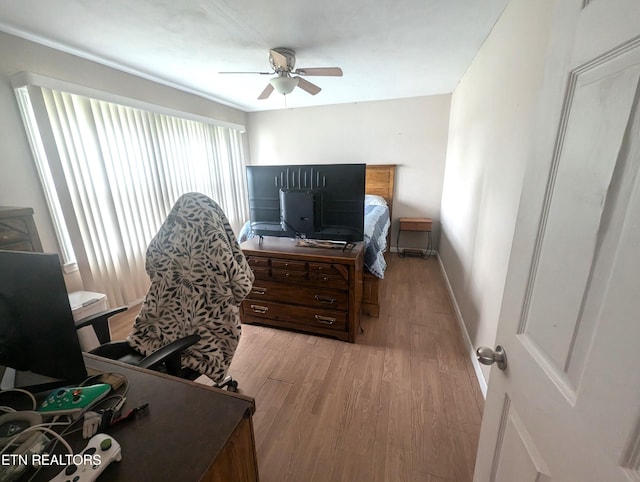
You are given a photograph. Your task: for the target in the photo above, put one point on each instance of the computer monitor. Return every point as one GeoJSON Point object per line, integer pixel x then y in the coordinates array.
{"type": "Point", "coordinates": [39, 347]}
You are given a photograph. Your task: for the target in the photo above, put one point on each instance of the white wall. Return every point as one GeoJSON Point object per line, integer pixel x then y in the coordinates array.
{"type": "Point", "coordinates": [490, 140]}
{"type": "Point", "coordinates": [411, 133]}
{"type": "Point", "coordinates": [19, 183]}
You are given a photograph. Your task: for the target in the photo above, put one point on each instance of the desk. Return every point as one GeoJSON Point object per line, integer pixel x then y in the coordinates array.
{"type": "Point", "coordinates": [415, 224]}
{"type": "Point", "coordinates": [189, 432]}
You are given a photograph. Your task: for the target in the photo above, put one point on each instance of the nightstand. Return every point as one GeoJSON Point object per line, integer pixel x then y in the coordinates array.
{"type": "Point", "coordinates": [415, 224]}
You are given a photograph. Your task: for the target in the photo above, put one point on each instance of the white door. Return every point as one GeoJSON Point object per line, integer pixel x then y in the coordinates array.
{"type": "Point", "coordinates": [567, 407]}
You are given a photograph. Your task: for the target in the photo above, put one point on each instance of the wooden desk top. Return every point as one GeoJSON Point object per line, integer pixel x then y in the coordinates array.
{"type": "Point", "coordinates": [179, 435]}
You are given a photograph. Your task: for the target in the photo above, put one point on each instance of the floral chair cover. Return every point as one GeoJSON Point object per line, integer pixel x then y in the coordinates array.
{"type": "Point", "coordinates": [199, 276]}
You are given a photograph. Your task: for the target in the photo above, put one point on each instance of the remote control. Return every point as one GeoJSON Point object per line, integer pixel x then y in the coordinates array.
{"type": "Point", "coordinates": [86, 466]}
{"type": "Point", "coordinates": [74, 400]}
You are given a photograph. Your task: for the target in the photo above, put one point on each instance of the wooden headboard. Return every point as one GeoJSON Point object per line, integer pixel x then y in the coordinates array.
{"type": "Point", "coordinates": [380, 181]}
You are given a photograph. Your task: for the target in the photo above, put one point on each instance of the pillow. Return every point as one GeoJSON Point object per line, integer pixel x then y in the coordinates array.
{"type": "Point", "coordinates": [374, 200]}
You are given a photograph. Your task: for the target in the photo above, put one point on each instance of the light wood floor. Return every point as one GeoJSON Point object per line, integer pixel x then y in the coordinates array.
{"type": "Point", "coordinates": [401, 404]}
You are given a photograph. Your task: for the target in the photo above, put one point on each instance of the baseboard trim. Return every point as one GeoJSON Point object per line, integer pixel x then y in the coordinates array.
{"type": "Point", "coordinates": [428, 252]}
{"type": "Point", "coordinates": [470, 348]}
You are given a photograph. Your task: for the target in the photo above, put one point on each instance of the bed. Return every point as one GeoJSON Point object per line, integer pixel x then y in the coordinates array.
{"type": "Point", "coordinates": [380, 182]}
{"type": "Point", "coordinates": [379, 188]}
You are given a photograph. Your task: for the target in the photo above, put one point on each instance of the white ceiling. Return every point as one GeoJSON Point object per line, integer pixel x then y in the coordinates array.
{"type": "Point", "coordinates": [388, 49]}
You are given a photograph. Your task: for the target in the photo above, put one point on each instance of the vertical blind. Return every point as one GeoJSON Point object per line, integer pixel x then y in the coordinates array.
{"type": "Point", "coordinates": [122, 170]}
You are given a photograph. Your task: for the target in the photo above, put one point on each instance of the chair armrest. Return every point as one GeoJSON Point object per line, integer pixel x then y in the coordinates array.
{"type": "Point", "coordinates": [100, 323]}
{"type": "Point", "coordinates": [118, 350]}
{"type": "Point", "coordinates": [166, 352]}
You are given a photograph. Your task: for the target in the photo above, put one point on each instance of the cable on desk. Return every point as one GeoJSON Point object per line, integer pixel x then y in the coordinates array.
{"type": "Point", "coordinates": [38, 428]}
{"type": "Point", "coordinates": [71, 424]}
{"type": "Point", "coordinates": [34, 403]}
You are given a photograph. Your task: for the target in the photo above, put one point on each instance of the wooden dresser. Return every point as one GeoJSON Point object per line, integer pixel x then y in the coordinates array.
{"type": "Point", "coordinates": [17, 230]}
{"type": "Point", "coordinates": [309, 289]}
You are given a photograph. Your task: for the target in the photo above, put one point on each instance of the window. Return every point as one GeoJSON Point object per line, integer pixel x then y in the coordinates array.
{"type": "Point", "coordinates": [111, 173]}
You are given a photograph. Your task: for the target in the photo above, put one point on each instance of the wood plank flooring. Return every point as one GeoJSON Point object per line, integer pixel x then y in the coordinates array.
{"type": "Point", "coordinates": [401, 404]}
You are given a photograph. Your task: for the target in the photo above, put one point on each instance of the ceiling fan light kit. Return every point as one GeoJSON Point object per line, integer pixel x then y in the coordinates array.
{"type": "Point", "coordinates": [284, 85]}
{"type": "Point", "coordinates": [283, 61]}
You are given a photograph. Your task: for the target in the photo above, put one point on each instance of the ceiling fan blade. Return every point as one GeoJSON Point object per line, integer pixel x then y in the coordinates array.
{"type": "Point", "coordinates": [279, 60]}
{"type": "Point", "coordinates": [266, 92]}
{"type": "Point", "coordinates": [321, 71]}
{"type": "Point", "coordinates": [307, 86]}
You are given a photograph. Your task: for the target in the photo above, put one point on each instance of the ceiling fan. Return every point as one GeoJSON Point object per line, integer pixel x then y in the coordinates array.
{"type": "Point", "coordinates": [283, 61]}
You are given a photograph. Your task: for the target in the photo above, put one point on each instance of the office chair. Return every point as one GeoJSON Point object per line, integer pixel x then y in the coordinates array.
{"type": "Point", "coordinates": [199, 277]}
{"type": "Point", "coordinates": [166, 359]}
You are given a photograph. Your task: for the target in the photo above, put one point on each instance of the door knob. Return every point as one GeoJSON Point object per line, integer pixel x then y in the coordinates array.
{"type": "Point", "coordinates": [487, 356]}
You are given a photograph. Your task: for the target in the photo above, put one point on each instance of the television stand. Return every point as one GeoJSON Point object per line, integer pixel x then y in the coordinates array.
{"type": "Point", "coordinates": [311, 289]}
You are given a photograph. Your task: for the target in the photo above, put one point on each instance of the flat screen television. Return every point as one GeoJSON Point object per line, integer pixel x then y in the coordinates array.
{"type": "Point", "coordinates": [39, 347]}
{"type": "Point", "coordinates": [319, 201]}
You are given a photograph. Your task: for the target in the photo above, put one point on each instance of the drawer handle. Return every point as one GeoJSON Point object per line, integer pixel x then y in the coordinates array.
{"type": "Point", "coordinates": [258, 291]}
{"type": "Point", "coordinates": [325, 299]}
{"type": "Point", "coordinates": [325, 320]}
{"type": "Point", "coordinates": [259, 308]}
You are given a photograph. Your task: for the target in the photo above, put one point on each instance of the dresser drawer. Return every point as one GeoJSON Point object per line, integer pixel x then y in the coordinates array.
{"type": "Point", "coordinates": [288, 265]}
{"type": "Point", "coordinates": [301, 316]}
{"type": "Point", "coordinates": [312, 297]}
{"type": "Point", "coordinates": [261, 272]}
{"type": "Point", "coordinates": [326, 269]}
{"type": "Point", "coordinates": [258, 262]}
{"type": "Point", "coordinates": [289, 276]}
{"type": "Point", "coordinates": [329, 281]}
